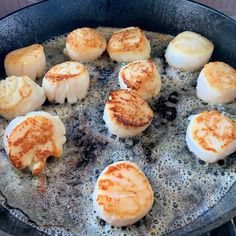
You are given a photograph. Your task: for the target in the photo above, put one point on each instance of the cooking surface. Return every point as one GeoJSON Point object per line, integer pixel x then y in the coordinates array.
{"type": "Point", "coordinates": [184, 187]}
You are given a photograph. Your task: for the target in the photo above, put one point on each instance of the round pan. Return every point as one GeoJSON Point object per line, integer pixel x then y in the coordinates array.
{"type": "Point", "coordinates": [54, 17]}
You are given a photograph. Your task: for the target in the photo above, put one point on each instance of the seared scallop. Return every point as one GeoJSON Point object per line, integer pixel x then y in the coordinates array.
{"type": "Point", "coordinates": [68, 80]}
{"type": "Point", "coordinates": [85, 44]}
{"type": "Point", "coordinates": [189, 51]}
{"type": "Point", "coordinates": [211, 136]}
{"type": "Point", "coordinates": [29, 140]}
{"type": "Point", "coordinates": [126, 114]}
{"type": "Point", "coordinates": [29, 61]}
{"type": "Point", "coordinates": [129, 44]}
{"type": "Point", "coordinates": [217, 83]}
{"type": "Point", "coordinates": [122, 194]}
{"type": "Point", "coordinates": [18, 96]}
{"type": "Point", "coordinates": [142, 77]}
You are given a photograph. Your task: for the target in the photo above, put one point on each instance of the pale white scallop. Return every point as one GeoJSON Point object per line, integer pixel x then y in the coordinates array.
{"type": "Point", "coordinates": [85, 44]}
{"type": "Point", "coordinates": [122, 194]}
{"type": "Point", "coordinates": [19, 95]}
{"type": "Point", "coordinates": [189, 51]}
{"type": "Point", "coordinates": [211, 136]}
{"type": "Point", "coordinates": [141, 77]}
{"type": "Point", "coordinates": [126, 114]}
{"type": "Point", "coordinates": [217, 83]}
{"type": "Point", "coordinates": [29, 140]}
{"type": "Point", "coordinates": [129, 44]}
{"type": "Point", "coordinates": [29, 61]}
{"type": "Point", "coordinates": [68, 80]}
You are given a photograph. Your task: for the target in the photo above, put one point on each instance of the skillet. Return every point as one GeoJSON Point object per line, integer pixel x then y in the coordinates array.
{"type": "Point", "coordinates": [54, 17]}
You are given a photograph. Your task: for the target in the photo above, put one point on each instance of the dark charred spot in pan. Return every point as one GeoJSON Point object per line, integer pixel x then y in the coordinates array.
{"type": "Point", "coordinates": [102, 222]}
{"type": "Point", "coordinates": [2, 150]}
{"type": "Point", "coordinates": [194, 84]}
{"type": "Point", "coordinates": [147, 151]}
{"type": "Point", "coordinates": [48, 104]}
{"type": "Point", "coordinates": [89, 145]}
{"type": "Point", "coordinates": [129, 143]}
{"type": "Point", "coordinates": [104, 74]}
{"type": "Point", "coordinates": [165, 66]}
{"type": "Point", "coordinates": [204, 103]}
{"type": "Point", "coordinates": [221, 162]}
{"type": "Point", "coordinates": [165, 107]}
{"type": "Point", "coordinates": [50, 159]}
{"type": "Point", "coordinates": [201, 162]}
{"type": "Point", "coordinates": [137, 224]}
{"type": "Point", "coordinates": [75, 130]}
{"type": "Point", "coordinates": [231, 158]}
{"type": "Point", "coordinates": [173, 97]}
{"type": "Point", "coordinates": [143, 221]}
{"type": "Point", "coordinates": [74, 180]}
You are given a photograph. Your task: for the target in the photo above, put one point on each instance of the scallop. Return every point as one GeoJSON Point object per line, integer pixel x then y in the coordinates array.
{"type": "Point", "coordinates": [122, 194]}
{"type": "Point", "coordinates": [126, 114]}
{"type": "Point", "coordinates": [189, 51]}
{"type": "Point", "coordinates": [85, 44]}
{"type": "Point", "coordinates": [141, 77]}
{"type": "Point", "coordinates": [217, 83]}
{"type": "Point", "coordinates": [68, 80]}
{"type": "Point", "coordinates": [128, 45]}
{"type": "Point", "coordinates": [19, 95]}
{"type": "Point", "coordinates": [29, 61]}
{"type": "Point", "coordinates": [29, 140]}
{"type": "Point", "coordinates": [211, 136]}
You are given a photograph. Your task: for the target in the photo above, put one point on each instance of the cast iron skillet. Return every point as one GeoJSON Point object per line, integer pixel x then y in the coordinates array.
{"type": "Point", "coordinates": [54, 17]}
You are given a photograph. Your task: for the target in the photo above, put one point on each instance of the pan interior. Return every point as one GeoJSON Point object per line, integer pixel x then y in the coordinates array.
{"type": "Point", "coordinates": [60, 200]}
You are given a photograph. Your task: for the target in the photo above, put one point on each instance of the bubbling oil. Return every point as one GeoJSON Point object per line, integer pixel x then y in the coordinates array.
{"type": "Point", "coordinates": [59, 202]}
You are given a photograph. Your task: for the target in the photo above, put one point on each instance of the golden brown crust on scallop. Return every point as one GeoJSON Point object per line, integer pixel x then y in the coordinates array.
{"type": "Point", "coordinates": [60, 72]}
{"type": "Point", "coordinates": [20, 54]}
{"type": "Point", "coordinates": [127, 187]}
{"type": "Point", "coordinates": [220, 75]}
{"type": "Point", "coordinates": [126, 40]}
{"type": "Point", "coordinates": [140, 72]}
{"type": "Point", "coordinates": [210, 124]}
{"type": "Point", "coordinates": [38, 131]}
{"type": "Point", "coordinates": [10, 86]}
{"type": "Point", "coordinates": [129, 109]}
{"type": "Point", "coordinates": [85, 38]}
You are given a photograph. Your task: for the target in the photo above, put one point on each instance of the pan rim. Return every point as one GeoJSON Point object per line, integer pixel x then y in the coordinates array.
{"type": "Point", "coordinates": [225, 219]}
{"type": "Point", "coordinates": [191, 1]}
